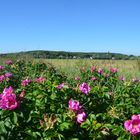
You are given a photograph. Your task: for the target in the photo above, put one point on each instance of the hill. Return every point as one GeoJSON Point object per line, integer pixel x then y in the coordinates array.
{"type": "Point", "coordinates": [69, 55]}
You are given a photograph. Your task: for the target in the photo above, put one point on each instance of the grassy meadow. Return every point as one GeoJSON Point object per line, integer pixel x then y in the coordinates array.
{"type": "Point", "coordinates": [128, 68]}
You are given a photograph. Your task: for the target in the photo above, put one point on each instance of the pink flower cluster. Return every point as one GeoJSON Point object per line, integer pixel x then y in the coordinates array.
{"type": "Point", "coordinates": [60, 86]}
{"type": "Point", "coordinates": [122, 78]}
{"type": "Point", "coordinates": [133, 125]}
{"type": "Point", "coordinates": [1, 68]}
{"type": "Point", "coordinates": [93, 78]}
{"type": "Point", "coordinates": [81, 116]}
{"type": "Point", "coordinates": [2, 78]}
{"type": "Point", "coordinates": [8, 99]}
{"type": "Point", "coordinates": [100, 70]}
{"type": "Point", "coordinates": [40, 79]}
{"type": "Point", "coordinates": [113, 70]}
{"type": "Point", "coordinates": [77, 78]}
{"type": "Point", "coordinates": [5, 76]}
{"type": "Point", "coordinates": [22, 94]}
{"type": "Point", "coordinates": [74, 105]}
{"type": "Point", "coordinates": [84, 88]}
{"type": "Point", "coordinates": [9, 62]}
{"type": "Point", "coordinates": [93, 68]}
{"type": "Point", "coordinates": [8, 75]}
{"type": "Point", "coordinates": [25, 82]}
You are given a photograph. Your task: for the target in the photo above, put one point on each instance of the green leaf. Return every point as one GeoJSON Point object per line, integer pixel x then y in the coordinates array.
{"type": "Point", "coordinates": [65, 125]}
{"type": "Point", "coordinates": [53, 96]}
{"type": "Point", "coordinates": [2, 128]}
{"type": "Point", "coordinates": [15, 118]}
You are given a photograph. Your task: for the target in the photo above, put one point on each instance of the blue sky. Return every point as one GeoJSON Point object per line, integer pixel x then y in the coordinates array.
{"type": "Point", "coordinates": [70, 25]}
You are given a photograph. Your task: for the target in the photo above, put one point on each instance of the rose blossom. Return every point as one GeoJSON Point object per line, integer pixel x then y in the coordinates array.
{"type": "Point", "coordinates": [8, 99]}
{"type": "Point", "coordinates": [122, 78]}
{"type": "Point", "coordinates": [113, 70]}
{"type": "Point", "coordinates": [81, 116]}
{"type": "Point", "coordinates": [77, 78]}
{"type": "Point", "coordinates": [133, 117]}
{"type": "Point", "coordinates": [100, 70]}
{"type": "Point", "coordinates": [60, 86]}
{"type": "Point", "coordinates": [9, 62]}
{"type": "Point", "coordinates": [8, 90]}
{"type": "Point", "coordinates": [74, 105]}
{"type": "Point", "coordinates": [84, 87]}
{"type": "Point", "coordinates": [40, 79]}
{"type": "Point", "coordinates": [133, 126]}
{"type": "Point", "coordinates": [25, 82]}
{"type": "Point", "coordinates": [2, 78]}
{"type": "Point", "coordinates": [93, 78]}
{"type": "Point", "coordinates": [93, 68]}
{"type": "Point", "coordinates": [1, 67]}
{"type": "Point", "coordinates": [8, 75]}
{"type": "Point", "coordinates": [22, 94]}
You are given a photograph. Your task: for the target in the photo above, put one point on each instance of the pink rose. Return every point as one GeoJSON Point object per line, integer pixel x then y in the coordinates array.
{"type": "Point", "coordinates": [8, 99]}
{"type": "Point", "coordinates": [9, 62]}
{"type": "Point", "coordinates": [25, 82]}
{"type": "Point", "coordinates": [100, 70]}
{"type": "Point", "coordinates": [40, 79]}
{"type": "Point", "coordinates": [81, 116]}
{"type": "Point", "coordinates": [113, 70]}
{"type": "Point", "coordinates": [60, 86]}
{"type": "Point", "coordinates": [133, 126]}
{"type": "Point", "coordinates": [74, 105]}
{"type": "Point", "coordinates": [84, 87]}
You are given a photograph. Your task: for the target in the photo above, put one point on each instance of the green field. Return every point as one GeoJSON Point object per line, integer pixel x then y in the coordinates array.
{"type": "Point", "coordinates": [128, 68]}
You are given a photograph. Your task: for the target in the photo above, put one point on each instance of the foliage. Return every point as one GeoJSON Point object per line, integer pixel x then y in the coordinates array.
{"type": "Point", "coordinates": [92, 106]}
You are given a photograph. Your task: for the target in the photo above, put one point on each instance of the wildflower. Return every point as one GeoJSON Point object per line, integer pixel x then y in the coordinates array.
{"type": "Point", "coordinates": [122, 78]}
{"type": "Point", "coordinates": [93, 78]}
{"type": "Point", "coordinates": [40, 79]}
{"type": "Point", "coordinates": [8, 75]}
{"type": "Point", "coordinates": [100, 70]}
{"type": "Point", "coordinates": [133, 126]}
{"type": "Point", "coordinates": [9, 62]}
{"type": "Point", "coordinates": [135, 80]}
{"type": "Point", "coordinates": [2, 78]}
{"type": "Point", "coordinates": [135, 117]}
{"type": "Point", "coordinates": [77, 78]}
{"type": "Point", "coordinates": [22, 94]}
{"type": "Point", "coordinates": [113, 70]}
{"type": "Point", "coordinates": [25, 82]}
{"type": "Point", "coordinates": [84, 88]}
{"type": "Point", "coordinates": [60, 86]}
{"type": "Point", "coordinates": [8, 99]}
{"type": "Point", "coordinates": [74, 105]}
{"type": "Point", "coordinates": [8, 90]}
{"type": "Point", "coordinates": [1, 67]}
{"type": "Point", "coordinates": [93, 68]}
{"type": "Point", "coordinates": [81, 116]}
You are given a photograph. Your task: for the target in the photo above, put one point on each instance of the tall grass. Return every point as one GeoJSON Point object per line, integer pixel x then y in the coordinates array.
{"type": "Point", "coordinates": [128, 68]}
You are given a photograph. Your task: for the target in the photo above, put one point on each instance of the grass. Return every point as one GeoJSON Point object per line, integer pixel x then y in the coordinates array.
{"type": "Point", "coordinates": [128, 68]}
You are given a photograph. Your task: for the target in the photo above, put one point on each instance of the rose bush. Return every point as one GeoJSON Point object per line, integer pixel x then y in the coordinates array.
{"type": "Point", "coordinates": [37, 101]}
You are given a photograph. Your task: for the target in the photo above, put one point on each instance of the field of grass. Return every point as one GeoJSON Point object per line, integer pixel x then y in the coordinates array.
{"type": "Point", "coordinates": [128, 68]}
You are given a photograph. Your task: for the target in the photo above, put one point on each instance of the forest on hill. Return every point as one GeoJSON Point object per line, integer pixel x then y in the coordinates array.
{"type": "Point", "coordinates": [70, 55]}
